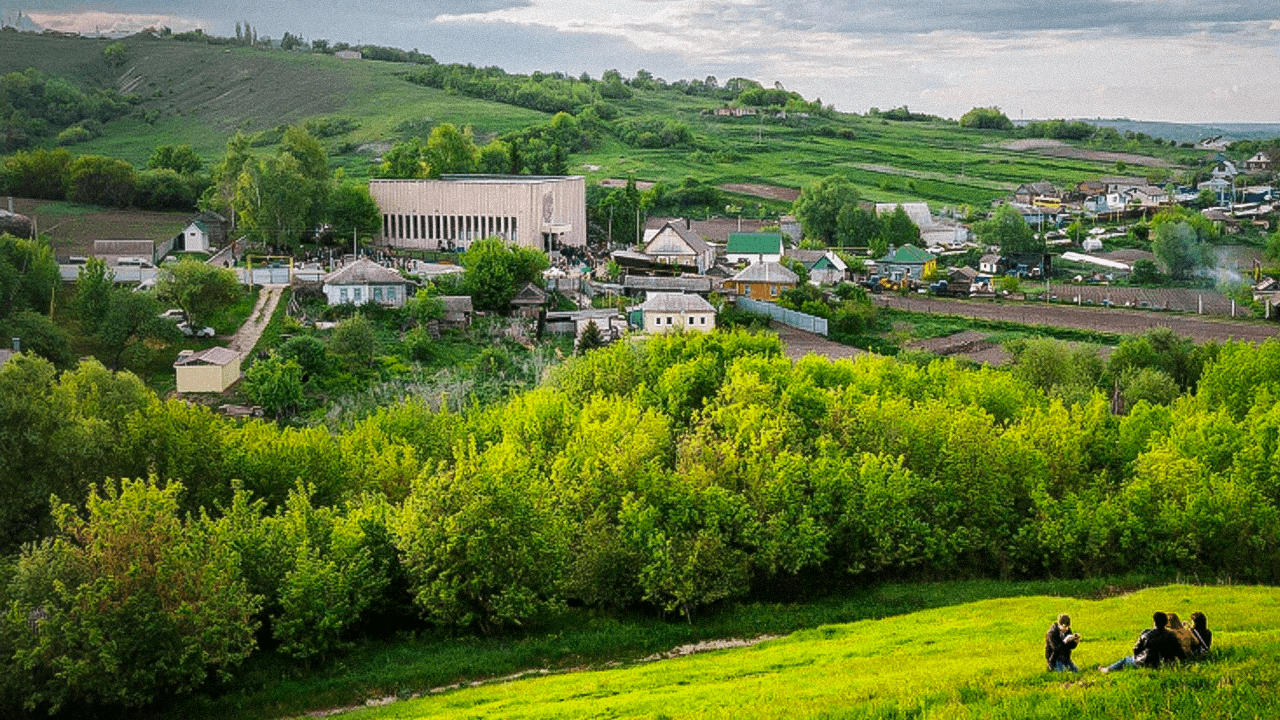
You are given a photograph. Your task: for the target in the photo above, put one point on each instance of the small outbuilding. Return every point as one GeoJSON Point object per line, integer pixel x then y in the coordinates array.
{"type": "Point", "coordinates": [763, 281]}
{"type": "Point", "coordinates": [458, 311]}
{"type": "Point", "coordinates": [365, 281]}
{"type": "Point", "coordinates": [664, 312]}
{"type": "Point", "coordinates": [210, 370]}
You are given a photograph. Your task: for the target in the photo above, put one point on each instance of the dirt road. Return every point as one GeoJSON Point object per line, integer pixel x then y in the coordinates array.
{"type": "Point", "coordinates": [247, 336]}
{"type": "Point", "coordinates": [1115, 320]}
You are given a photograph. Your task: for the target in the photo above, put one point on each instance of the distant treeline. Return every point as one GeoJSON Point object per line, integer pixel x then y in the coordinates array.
{"type": "Point", "coordinates": [35, 107]}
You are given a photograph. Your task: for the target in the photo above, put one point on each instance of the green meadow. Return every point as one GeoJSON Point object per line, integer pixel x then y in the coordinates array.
{"type": "Point", "coordinates": [981, 659]}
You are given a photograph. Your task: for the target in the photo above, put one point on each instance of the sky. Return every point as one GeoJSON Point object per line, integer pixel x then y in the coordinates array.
{"type": "Point", "coordinates": [1166, 60]}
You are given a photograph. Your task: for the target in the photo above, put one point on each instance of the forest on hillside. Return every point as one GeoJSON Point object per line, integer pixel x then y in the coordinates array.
{"type": "Point", "coordinates": [165, 544]}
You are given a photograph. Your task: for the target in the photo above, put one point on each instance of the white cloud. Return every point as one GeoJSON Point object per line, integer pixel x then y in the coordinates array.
{"type": "Point", "coordinates": [112, 23]}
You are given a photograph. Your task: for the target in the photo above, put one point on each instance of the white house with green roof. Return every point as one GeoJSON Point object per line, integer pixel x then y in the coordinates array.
{"type": "Point", "coordinates": [906, 262]}
{"type": "Point", "coordinates": [754, 247]}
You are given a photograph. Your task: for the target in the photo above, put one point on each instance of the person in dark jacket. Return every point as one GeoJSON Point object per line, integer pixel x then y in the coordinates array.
{"type": "Point", "coordinates": [1155, 647]}
{"type": "Point", "coordinates": [1058, 644]}
{"type": "Point", "coordinates": [1200, 626]}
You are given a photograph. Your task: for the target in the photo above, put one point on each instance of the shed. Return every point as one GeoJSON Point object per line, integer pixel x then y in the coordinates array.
{"type": "Point", "coordinates": [458, 311]}
{"type": "Point", "coordinates": [211, 370]}
{"type": "Point", "coordinates": [529, 300]}
{"type": "Point", "coordinates": [365, 281]}
{"type": "Point", "coordinates": [762, 281]}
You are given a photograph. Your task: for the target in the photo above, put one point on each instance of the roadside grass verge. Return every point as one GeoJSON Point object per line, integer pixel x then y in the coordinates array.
{"type": "Point", "coordinates": [415, 660]}
{"type": "Point", "coordinates": [981, 659]}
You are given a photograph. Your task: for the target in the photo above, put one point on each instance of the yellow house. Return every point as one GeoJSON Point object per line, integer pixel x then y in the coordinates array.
{"type": "Point", "coordinates": [762, 281]}
{"type": "Point", "coordinates": [211, 370]}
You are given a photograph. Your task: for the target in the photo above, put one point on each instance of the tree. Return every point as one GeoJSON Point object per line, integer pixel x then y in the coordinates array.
{"type": "Point", "coordinates": [181, 159]}
{"type": "Point", "coordinates": [313, 165]}
{"type": "Point", "coordinates": [115, 54]}
{"type": "Point", "coordinates": [225, 176]}
{"type": "Point", "coordinates": [986, 118]}
{"type": "Point", "coordinates": [100, 180]}
{"type": "Point", "coordinates": [856, 226]}
{"type": "Point", "coordinates": [403, 160]}
{"type": "Point", "coordinates": [39, 173]}
{"type": "Point", "coordinates": [275, 384]}
{"type": "Point", "coordinates": [28, 275]}
{"type": "Point", "coordinates": [199, 290]}
{"type": "Point", "coordinates": [138, 603]}
{"type": "Point", "coordinates": [450, 151]}
{"type": "Point", "coordinates": [899, 229]}
{"type": "Point", "coordinates": [1008, 230]}
{"type": "Point", "coordinates": [590, 339]}
{"type": "Point", "coordinates": [94, 284]}
{"type": "Point", "coordinates": [820, 204]}
{"type": "Point", "coordinates": [354, 340]}
{"type": "Point", "coordinates": [1144, 273]}
{"type": "Point", "coordinates": [39, 336]}
{"type": "Point", "coordinates": [495, 272]}
{"type": "Point", "coordinates": [131, 318]}
{"type": "Point", "coordinates": [494, 158]}
{"type": "Point", "coordinates": [353, 210]}
{"type": "Point", "coordinates": [165, 189]}
{"type": "Point", "coordinates": [1177, 249]}
{"type": "Point", "coordinates": [272, 201]}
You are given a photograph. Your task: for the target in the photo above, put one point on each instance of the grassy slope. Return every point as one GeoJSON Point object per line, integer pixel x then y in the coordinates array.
{"type": "Point", "coordinates": [200, 94]}
{"type": "Point", "coordinates": [982, 659]}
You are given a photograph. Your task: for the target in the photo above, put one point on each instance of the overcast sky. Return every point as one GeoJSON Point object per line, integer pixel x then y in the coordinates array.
{"type": "Point", "coordinates": [1170, 60]}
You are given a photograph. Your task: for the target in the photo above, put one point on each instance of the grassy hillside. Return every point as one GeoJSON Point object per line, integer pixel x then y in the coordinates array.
{"type": "Point", "coordinates": [983, 659]}
{"type": "Point", "coordinates": [201, 94]}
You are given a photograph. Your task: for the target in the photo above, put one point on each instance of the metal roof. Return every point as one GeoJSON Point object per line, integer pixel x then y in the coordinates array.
{"type": "Point", "coordinates": [364, 272]}
{"type": "Point", "coordinates": [754, 243]}
{"type": "Point", "coordinates": [675, 302]}
{"type": "Point", "coordinates": [769, 272]}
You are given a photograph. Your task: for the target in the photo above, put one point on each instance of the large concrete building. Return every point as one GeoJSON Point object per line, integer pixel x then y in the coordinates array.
{"type": "Point", "coordinates": [532, 211]}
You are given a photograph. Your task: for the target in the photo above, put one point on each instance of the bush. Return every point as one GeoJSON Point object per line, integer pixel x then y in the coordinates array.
{"type": "Point", "coordinates": [138, 603]}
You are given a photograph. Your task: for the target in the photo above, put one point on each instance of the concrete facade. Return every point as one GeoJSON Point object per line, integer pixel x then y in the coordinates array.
{"type": "Point", "coordinates": [531, 211]}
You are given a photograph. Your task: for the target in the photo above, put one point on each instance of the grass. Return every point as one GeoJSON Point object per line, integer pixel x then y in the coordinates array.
{"type": "Point", "coordinates": [979, 659]}
{"type": "Point", "coordinates": [271, 686]}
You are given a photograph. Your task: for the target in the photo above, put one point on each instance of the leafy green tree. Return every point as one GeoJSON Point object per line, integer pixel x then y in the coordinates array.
{"type": "Point", "coordinates": [309, 352]}
{"type": "Point", "coordinates": [352, 210]}
{"type": "Point", "coordinates": [100, 180]}
{"type": "Point", "coordinates": [820, 205]}
{"type": "Point", "coordinates": [495, 272]}
{"type": "Point", "coordinates": [899, 229]}
{"type": "Point", "coordinates": [275, 384]}
{"type": "Point", "coordinates": [271, 200]}
{"type": "Point", "coordinates": [1178, 250]}
{"type": "Point", "coordinates": [165, 189]}
{"type": "Point", "coordinates": [181, 159]}
{"type": "Point", "coordinates": [313, 164]}
{"type": "Point", "coordinates": [1009, 231]}
{"type": "Point", "coordinates": [1144, 272]}
{"type": "Point", "coordinates": [40, 336]}
{"type": "Point", "coordinates": [857, 227]}
{"type": "Point", "coordinates": [354, 340]}
{"type": "Point", "coordinates": [131, 319]}
{"type": "Point", "coordinates": [198, 289]}
{"type": "Point", "coordinates": [450, 151]}
{"type": "Point", "coordinates": [139, 602]}
{"type": "Point", "coordinates": [116, 54]}
{"type": "Point", "coordinates": [225, 176]}
{"type": "Point", "coordinates": [494, 158]}
{"type": "Point", "coordinates": [1150, 385]}
{"type": "Point", "coordinates": [590, 339]}
{"type": "Point", "coordinates": [986, 118]}
{"type": "Point", "coordinates": [94, 284]}
{"type": "Point", "coordinates": [404, 160]}
{"type": "Point", "coordinates": [37, 173]}
{"type": "Point", "coordinates": [28, 275]}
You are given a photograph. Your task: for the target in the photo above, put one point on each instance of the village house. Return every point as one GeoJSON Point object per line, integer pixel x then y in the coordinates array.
{"type": "Point", "coordinates": [762, 281]}
{"type": "Point", "coordinates": [990, 264]}
{"type": "Point", "coordinates": [211, 370]}
{"type": "Point", "coordinates": [1028, 193]}
{"type": "Point", "coordinates": [365, 281]}
{"type": "Point", "coordinates": [664, 312]}
{"type": "Point", "coordinates": [458, 311]}
{"type": "Point", "coordinates": [679, 245]}
{"type": "Point", "coordinates": [754, 247]}
{"type": "Point", "coordinates": [906, 263]}
{"type": "Point", "coordinates": [1260, 161]}
{"type": "Point", "coordinates": [824, 266]}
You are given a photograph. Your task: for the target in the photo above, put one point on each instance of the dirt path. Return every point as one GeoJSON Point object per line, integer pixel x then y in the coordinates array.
{"type": "Point", "coordinates": [1057, 148]}
{"type": "Point", "coordinates": [247, 336]}
{"type": "Point", "coordinates": [1120, 321]}
{"type": "Point", "coordinates": [765, 191]}
{"type": "Point", "coordinates": [800, 343]}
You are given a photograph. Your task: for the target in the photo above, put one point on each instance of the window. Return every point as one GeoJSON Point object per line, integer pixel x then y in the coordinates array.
{"type": "Point", "coordinates": [357, 292]}
{"type": "Point", "coordinates": [342, 295]}
{"type": "Point", "coordinates": [773, 290]}
{"type": "Point", "coordinates": [391, 294]}
{"type": "Point", "coordinates": [377, 294]}
{"type": "Point", "coordinates": [702, 320]}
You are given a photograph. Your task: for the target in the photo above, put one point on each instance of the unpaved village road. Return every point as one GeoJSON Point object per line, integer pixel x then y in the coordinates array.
{"type": "Point", "coordinates": [1113, 320]}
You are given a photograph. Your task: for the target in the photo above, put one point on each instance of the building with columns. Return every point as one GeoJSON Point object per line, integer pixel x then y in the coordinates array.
{"type": "Point", "coordinates": [548, 213]}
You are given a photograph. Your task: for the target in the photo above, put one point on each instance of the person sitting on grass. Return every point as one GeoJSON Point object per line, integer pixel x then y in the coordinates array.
{"type": "Point", "coordinates": [1186, 638]}
{"type": "Point", "coordinates": [1200, 626]}
{"type": "Point", "coordinates": [1155, 647]}
{"type": "Point", "coordinates": [1058, 644]}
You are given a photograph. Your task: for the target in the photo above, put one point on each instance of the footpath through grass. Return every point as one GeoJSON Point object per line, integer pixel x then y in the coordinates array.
{"type": "Point", "coordinates": [981, 659]}
{"type": "Point", "coordinates": [270, 686]}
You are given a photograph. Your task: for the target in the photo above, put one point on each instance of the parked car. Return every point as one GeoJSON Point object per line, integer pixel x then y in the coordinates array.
{"type": "Point", "coordinates": [189, 331]}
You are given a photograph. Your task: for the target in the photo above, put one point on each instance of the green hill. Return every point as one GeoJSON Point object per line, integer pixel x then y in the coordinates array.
{"type": "Point", "coordinates": [200, 94]}
{"type": "Point", "coordinates": [982, 659]}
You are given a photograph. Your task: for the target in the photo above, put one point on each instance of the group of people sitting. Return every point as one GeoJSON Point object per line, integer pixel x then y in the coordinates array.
{"type": "Point", "coordinates": [1169, 640]}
